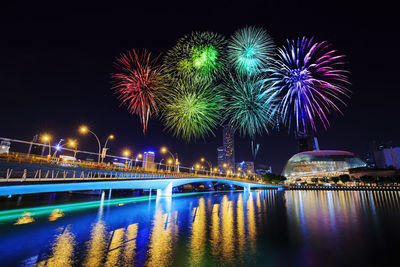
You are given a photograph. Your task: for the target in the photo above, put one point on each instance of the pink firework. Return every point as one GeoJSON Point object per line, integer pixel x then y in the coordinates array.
{"type": "Point", "coordinates": [138, 83]}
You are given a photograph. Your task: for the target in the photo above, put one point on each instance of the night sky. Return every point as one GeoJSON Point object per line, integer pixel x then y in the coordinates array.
{"type": "Point", "coordinates": [56, 60]}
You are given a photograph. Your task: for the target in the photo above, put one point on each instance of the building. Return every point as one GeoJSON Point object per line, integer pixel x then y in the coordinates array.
{"type": "Point", "coordinates": [246, 167]}
{"type": "Point", "coordinates": [319, 164]}
{"type": "Point", "coordinates": [307, 143]}
{"type": "Point", "coordinates": [262, 172]}
{"type": "Point", "coordinates": [148, 161]}
{"type": "Point", "coordinates": [220, 156]}
{"type": "Point", "coordinates": [387, 157]}
{"type": "Point", "coordinates": [228, 136]}
{"type": "Point", "coordinates": [5, 146]}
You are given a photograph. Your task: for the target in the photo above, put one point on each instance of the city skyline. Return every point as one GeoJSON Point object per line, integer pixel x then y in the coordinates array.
{"type": "Point", "coordinates": [64, 73]}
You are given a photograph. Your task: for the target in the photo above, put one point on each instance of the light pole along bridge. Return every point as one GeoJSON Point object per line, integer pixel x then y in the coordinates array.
{"type": "Point", "coordinates": [26, 180]}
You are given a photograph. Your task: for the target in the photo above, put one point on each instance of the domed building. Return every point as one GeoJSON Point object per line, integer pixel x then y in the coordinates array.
{"type": "Point", "coordinates": [319, 164]}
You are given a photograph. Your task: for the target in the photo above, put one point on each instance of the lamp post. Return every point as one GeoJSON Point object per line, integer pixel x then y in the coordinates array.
{"type": "Point", "coordinates": [46, 139]}
{"type": "Point", "coordinates": [84, 130]}
{"type": "Point", "coordinates": [139, 156]}
{"type": "Point", "coordinates": [126, 154]}
{"type": "Point", "coordinates": [58, 147]}
{"type": "Point", "coordinates": [196, 167]}
{"type": "Point", "coordinates": [209, 164]}
{"type": "Point", "coordinates": [159, 164]}
{"type": "Point", "coordinates": [170, 162]}
{"type": "Point", "coordinates": [73, 144]}
{"type": "Point", "coordinates": [165, 150]}
{"type": "Point", "coordinates": [104, 152]}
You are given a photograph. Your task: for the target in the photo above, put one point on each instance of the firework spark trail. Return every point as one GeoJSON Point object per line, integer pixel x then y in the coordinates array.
{"type": "Point", "coordinates": [138, 83]}
{"type": "Point", "coordinates": [250, 49]}
{"type": "Point", "coordinates": [309, 79]}
{"type": "Point", "coordinates": [198, 56]}
{"type": "Point", "coordinates": [192, 109]}
{"type": "Point", "coordinates": [249, 104]}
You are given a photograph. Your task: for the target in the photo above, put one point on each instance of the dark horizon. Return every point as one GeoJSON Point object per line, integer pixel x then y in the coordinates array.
{"type": "Point", "coordinates": [55, 65]}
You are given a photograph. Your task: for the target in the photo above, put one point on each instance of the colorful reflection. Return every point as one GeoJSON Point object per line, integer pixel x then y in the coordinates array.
{"type": "Point", "coordinates": [199, 235]}
{"type": "Point", "coordinates": [215, 229]}
{"type": "Point", "coordinates": [162, 239]}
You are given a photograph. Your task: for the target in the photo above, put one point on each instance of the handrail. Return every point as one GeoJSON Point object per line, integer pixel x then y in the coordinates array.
{"type": "Point", "coordinates": [43, 161]}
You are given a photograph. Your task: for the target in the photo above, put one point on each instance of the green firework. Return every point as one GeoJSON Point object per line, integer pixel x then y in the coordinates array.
{"type": "Point", "coordinates": [250, 49]}
{"type": "Point", "coordinates": [249, 104]}
{"type": "Point", "coordinates": [192, 109]}
{"type": "Point", "coordinates": [198, 56]}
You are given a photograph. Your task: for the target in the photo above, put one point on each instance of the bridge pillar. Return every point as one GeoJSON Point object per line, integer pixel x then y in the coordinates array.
{"type": "Point", "coordinates": [166, 191]}
{"type": "Point", "coordinates": [247, 189]}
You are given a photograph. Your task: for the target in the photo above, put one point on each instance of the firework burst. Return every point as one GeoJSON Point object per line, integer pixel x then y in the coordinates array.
{"type": "Point", "coordinates": [138, 83]}
{"type": "Point", "coordinates": [310, 82]}
{"type": "Point", "coordinates": [192, 109]}
{"type": "Point", "coordinates": [250, 49]}
{"type": "Point", "coordinates": [198, 56]}
{"type": "Point", "coordinates": [249, 104]}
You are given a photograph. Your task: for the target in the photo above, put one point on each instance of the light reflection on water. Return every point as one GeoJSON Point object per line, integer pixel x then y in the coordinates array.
{"type": "Point", "coordinates": [293, 228]}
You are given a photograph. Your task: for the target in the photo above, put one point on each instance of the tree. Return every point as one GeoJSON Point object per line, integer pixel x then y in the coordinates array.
{"type": "Point", "coordinates": [324, 179]}
{"type": "Point", "coordinates": [367, 179]}
{"type": "Point", "coordinates": [273, 178]}
{"type": "Point", "coordinates": [335, 179]}
{"type": "Point", "coordinates": [344, 178]}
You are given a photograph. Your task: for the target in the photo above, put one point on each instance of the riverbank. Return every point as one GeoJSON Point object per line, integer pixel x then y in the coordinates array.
{"type": "Point", "coordinates": [345, 188]}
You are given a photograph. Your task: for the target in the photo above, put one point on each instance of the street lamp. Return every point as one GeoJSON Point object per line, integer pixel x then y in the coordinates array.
{"type": "Point", "coordinates": [104, 152]}
{"type": "Point", "coordinates": [126, 153]}
{"type": "Point", "coordinates": [196, 167]}
{"type": "Point", "coordinates": [73, 144]}
{"type": "Point", "coordinates": [46, 139]}
{"type": "Point", "coordinates": [84, 130]}
{"type": "Point", "coordinates": [165, 150]}
{"type": "Point", "coordinates": [58, 147]}
{"type": "Point", "coordinates": [138, 157]}
{"type": "Point", "coordinates": [169, 162]}
{"type": "Point", "coordinates": [209, 164]}
{"type": "Point", "coordinates": [159, 164]}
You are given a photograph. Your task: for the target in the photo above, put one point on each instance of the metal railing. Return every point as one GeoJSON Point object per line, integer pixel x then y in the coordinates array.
{"type": "Point", "coordinates": [50, 168]}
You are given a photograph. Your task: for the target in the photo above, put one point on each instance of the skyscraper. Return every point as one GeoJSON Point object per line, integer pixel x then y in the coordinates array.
{"type": "Point", "coordinates": [229, 146]}
{"type": "Point", "coordinates": [148, 161]}
{"type": "Point", "coordinates": [220, 156]}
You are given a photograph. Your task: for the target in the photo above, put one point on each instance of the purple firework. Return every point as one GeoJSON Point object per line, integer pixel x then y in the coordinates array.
{"type": "Point", "coordinates": [309, 80]}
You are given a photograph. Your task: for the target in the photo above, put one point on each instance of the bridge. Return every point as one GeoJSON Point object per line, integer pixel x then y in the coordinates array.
{"type": "Point", "coordinates": [17, 179]}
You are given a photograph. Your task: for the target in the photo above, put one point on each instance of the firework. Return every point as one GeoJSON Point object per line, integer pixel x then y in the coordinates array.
{"type": "Point", "coordinates": [249, 104]}
{"type": "Point", "coordinates": [310, 82]}
{"type": "Point", "coordinates": [198, 56]}
{"type": "Point", "coordinates": [250, 49]}
{"type": "Point", "coordinates": [192, 109]}
{"type": "Point", "coordinates": [138, 83]}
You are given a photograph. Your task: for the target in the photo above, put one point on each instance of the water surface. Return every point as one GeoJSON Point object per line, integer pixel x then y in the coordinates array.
{"type": "Point", "coordinates": [263, 228]}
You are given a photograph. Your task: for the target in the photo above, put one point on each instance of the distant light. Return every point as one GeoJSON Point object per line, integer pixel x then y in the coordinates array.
{"type": "Point", "coordinates": [150, 152]}
{"type": "Point", "coordinates": [58, 147]}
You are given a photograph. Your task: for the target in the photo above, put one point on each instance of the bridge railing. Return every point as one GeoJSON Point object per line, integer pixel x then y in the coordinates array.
{"type": "Point", "coordinates": [45, 168]}
{"type": "Point", "coordinates": [12, 175]}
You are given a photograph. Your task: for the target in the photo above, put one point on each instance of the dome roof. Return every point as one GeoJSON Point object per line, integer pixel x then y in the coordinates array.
{"type": "Point", "coordinates": [321, 163]}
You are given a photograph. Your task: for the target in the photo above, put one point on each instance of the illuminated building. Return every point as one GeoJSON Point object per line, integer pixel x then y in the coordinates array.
{"type": "Point", "coordinates": [228, 145]}
{"type": "Point", "coordinates": [220, 156]}
{"type": "Point", "coordinates": [246, 166]}
{"type": "Point", "coordinates": [387, 157]}
{"type": "Point", "coordinates": [148, 161]}
{"type": "Point", "coordinates": [5, 146]}
{"type": "Point", "coordinates": [319, 164]}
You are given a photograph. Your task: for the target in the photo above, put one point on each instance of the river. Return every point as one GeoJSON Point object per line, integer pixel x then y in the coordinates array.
{"type": "Point", "coordinates": [263, 228]}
